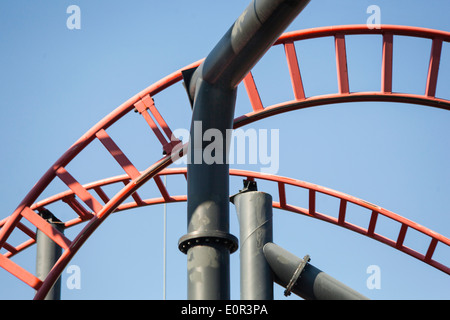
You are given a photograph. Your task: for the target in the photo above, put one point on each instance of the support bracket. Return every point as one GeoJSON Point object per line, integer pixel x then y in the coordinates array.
{"type": "Point", "coordinates": [208, 237]}
{"type": "Point", "coordinates": [296, 275]}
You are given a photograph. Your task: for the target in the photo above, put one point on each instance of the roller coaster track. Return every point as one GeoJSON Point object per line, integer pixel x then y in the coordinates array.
{"type": "Point", "coordinates": [88, 209]}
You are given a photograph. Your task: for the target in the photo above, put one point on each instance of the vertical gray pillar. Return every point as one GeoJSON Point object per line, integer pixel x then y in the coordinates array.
{"type": "Point", "coordinates": [305, 280]}
{"type": "Point", "coordinates": [208, 243]}
{"type": "Point", "coordinates": [48, 253]}
{"type": "Point", "coordinates": [212, 91]}
{"type": "Point", "coordinates": [254, 210]}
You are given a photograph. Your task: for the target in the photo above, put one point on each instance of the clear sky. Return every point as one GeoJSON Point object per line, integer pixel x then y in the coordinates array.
{"type": "Point", "coordinates": [55, 83]}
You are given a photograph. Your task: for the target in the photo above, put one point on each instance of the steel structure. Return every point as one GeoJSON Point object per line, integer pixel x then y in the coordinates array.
{"type": "Point", "coordinates": [212, 88]}
{"type": "Point", "coordinates": [305, 280]}
{"type": "Point", "coordinates": [254, 210]}
{"type": "Point", "coordinates": [92, 212]}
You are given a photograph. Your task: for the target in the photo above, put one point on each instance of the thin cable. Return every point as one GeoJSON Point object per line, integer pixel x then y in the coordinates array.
{"type": "Point", "coordinates": [164, 245]}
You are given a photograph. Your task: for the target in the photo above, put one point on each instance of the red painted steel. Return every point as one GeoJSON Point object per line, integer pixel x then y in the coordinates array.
{"type": "Point", "coordinates": [386, 65]}
{"type": "Point", "coordinates": [281, 182]}
{"type": "Point", "coordinates": [282, 194]}
{"type": "Point", "coordinates": [162, 188]}
{"type": "Point", "coordinates": [115, 151]}
{"type": "Point", "coordinates": [372, 223]}
{"type": "Point", "coordinates": [143, 103]}
{"type": "Point", "coordinates": [342, 210]}
{"type": "Point", "coordinates": [101, 194]}
{"type": "Point", "coordinates": [341, 63]}
{"type": "Point", "coordinates": [340, 98]}
{"type": "Point", "coordinates": [20, 272]}
{"type": "Point", "coordinates": [78, 189]}
{"type": "Point", "coordinates": [433, 69]}
{"type": "Point", "coordinates": [143, 106]}
{"type": "Point", "coordinates": [51, 232]}
{"type": "Point", "coordinates": [331, 31]}
{"type": "Point", "coordinates": [294, 70]}
{"type": "Point", "coordinates": [78, 208]}
{"type": "Point", "coordinates": [255, 99]}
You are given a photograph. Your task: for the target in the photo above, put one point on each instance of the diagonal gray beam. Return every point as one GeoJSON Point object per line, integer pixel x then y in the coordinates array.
{"type": "Point", "coordinates": [305, 280]}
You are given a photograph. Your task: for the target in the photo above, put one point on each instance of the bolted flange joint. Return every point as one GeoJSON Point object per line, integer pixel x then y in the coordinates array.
{"type": "Point", "coordinates": [214, 237]}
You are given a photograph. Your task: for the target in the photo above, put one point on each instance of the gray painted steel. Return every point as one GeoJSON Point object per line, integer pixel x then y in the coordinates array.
{"type": "Point", "coordinates": [312, 283]}
{"type": "Point", "coordinates": [248, 39]}
{"type": "Point", "coordinates": [254, 210]}
{"type": "Point", "coordinates": [208, 235]}
{"type": "Point", "coordinates": [212, 91]}
{"type": "Point", "coordinates": [47, 253]}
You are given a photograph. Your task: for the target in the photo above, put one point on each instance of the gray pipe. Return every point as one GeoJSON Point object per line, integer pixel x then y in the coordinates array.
{"type": "Point", "coordinates": [248, 39]}
{"type": "Point", "coordinates": [311, 283]}
{"type": "Point", "coordinates": [208, 243]}
{"type": "Point", "coordinates": [254, 210]}
{"type": "Point", "coordinates": [48, 253]}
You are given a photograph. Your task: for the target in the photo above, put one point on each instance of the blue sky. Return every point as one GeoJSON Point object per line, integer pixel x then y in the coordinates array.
{"type": "Point", "coordinates": [56, 83]}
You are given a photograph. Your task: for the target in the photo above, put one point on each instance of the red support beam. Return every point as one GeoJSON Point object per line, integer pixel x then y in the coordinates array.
{"type": "Point", "coordinates": [431, 249]}
{"type": "Point", "coordinates": [136, 197]}
{"type": "Point", "coordinates": [143, 106]}
{"type": "Point", "coordinates": [312, 202]}
{"type": "Point", "coordinates": [282, 194]}
{"type": "Point", "coordinates": [26, 230]}
{"type": "Point", "coordinates": [162, 188]}
{"type": "Point", "coordinates": [20, 272]}
{"type": "Point", "coordinates": [372, 223]}
{"type": "Point", "coordinates": [294, 71]}
{"type": "Point", "coordinates": [51, 232]}
{"type": "Point", "coordinates": [77, 207]}
{"type": "Point", "coordinates": [9, 226]}
{"type": "Point", "coordinates": [79, 190]}
{"type": "Point", "coordinates": [12, 250]}
{"type": "Point", "coordinates": [433, 68]}
{"type": "Point", "coordinates": [21, 247]}
{"type": "Point", "coordinates": [159, 119]}
{"type": "Point", "coordinates": [386, 67]}
{"type": "Point", "coordinates": [118, 155]}
{"type": "Point", "coordinates": [252, 91]}
{"type": "Point", "coordinates": [342, 210]}
{"type": "Point", "coordinates": [101, 194]}
{"type": "Point", "coordinates": [401, 236]}
{"type": "Point", "coordinates": [341, 63]}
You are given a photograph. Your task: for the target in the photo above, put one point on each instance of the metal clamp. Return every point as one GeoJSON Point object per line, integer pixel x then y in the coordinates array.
{"type": "Point", "coordinates": [296, 275]}
{"type": "Point", "coordinates": [249, 185]}
{"type": "Point", "coordinates": [206, 238]}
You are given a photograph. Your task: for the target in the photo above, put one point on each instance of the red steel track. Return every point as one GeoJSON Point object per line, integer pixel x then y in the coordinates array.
{"type": "Point", "coordinates": [93, 212]}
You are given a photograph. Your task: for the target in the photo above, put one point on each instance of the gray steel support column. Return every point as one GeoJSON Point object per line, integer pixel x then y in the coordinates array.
{"type": "Point", "coordinates": [212, 91]}
{"type": "Point", "coordinates": [208, 243]}
{"type": "Point", "coordinates": [254, 210]}
{"type": "Point", "coordinates": [47, 253]}
{"type": "Point", "coordinates": [310, 282]}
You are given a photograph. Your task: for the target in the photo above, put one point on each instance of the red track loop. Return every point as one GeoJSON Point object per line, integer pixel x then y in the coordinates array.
{"type": "Point", "coordinates": [281, 182]}
{"type": "Point", "coordinates": [79, 197]}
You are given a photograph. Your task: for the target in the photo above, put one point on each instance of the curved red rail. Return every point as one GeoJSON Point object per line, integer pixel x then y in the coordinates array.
{"type": "Point", "coordinates": [143, 103]}
{"type": "Point", "coordinates": [283, 204]}
{"type": "Point", "coordinates": [339, 33]}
